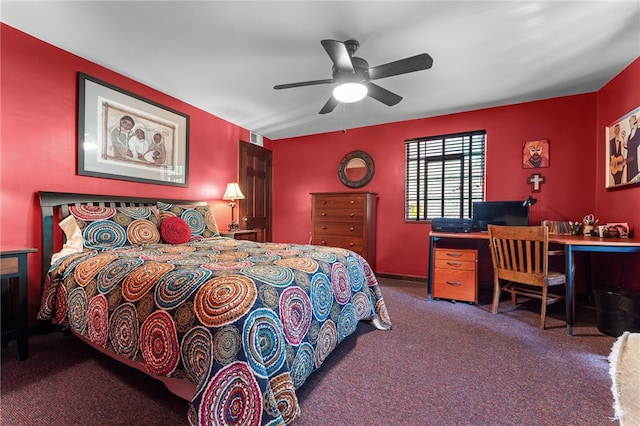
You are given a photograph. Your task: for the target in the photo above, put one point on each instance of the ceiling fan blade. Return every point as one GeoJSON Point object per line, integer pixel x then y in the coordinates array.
{"type": "Point", "coordinates": [403, 66]}
{"type": "Point", "coordinates": [382, 95]}
{"type": "Point", "coordinates": [303, 83]}
{"type": "Point", "coordinates": [329, 106]}
{"type": "Point", "coordinates": [339, 55]}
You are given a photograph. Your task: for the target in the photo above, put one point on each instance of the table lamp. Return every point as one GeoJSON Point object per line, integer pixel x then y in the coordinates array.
{"type": "Point", "coordinates": [233, 193]}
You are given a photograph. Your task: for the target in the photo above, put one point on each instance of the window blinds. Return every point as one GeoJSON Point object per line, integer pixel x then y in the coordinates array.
{"type": "Point", "coordinates": [445, 174]}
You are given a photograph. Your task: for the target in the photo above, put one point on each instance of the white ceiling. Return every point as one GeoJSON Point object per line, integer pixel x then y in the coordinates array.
{"type": "Point", "coordinates": [224, 57]}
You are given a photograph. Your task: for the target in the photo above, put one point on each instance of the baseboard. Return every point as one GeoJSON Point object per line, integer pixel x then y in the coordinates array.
{"type": "Point", "coordinates": [402, 277]}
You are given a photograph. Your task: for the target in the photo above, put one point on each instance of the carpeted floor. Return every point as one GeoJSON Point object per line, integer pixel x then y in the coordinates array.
{"type": "Point", "coordinates": [442, 364]}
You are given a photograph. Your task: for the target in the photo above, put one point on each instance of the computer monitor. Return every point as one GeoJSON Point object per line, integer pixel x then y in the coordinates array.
{"type": "Point", "coordinates": [509, 213]}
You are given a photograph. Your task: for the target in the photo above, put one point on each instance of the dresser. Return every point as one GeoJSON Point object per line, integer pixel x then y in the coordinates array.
{"type": "Point", "coordinates": [456, 274]}
{"type": "Point", "coordinates": [347, 220]}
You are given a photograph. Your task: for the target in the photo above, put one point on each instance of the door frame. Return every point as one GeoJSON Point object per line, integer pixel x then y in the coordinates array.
{"type": "Point", "coordinates": [242, 181]}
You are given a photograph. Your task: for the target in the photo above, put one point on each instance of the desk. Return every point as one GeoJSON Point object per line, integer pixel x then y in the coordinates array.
{"type": "Point", "coordinates": [13, 266]}
{"type": "Point", "coordinates": [571, 243]}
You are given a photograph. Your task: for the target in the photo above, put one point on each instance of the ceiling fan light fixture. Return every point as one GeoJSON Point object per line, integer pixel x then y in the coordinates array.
{"type": "Point", "coordinates": [350, 92]}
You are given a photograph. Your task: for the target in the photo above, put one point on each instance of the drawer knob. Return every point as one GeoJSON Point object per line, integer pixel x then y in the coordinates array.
{"type": "Point", "coordinates": [454, 282]}
{"type": "Point", "coordinates": [352, 202]}
{"type": "Point", "coordinates": [323, 214]}
{"type": "Point", "coordinates": [323, 202]}
{"type": "Point", "coordinates": [454, 263]}
{"type": "Point", "coordinates": [351, 228]}
{"type": "Point", "coordinates": [350, 244]}
{"type": "Point", "coordinates": [323, 227]}
{"type": "Point", "coordinates": [351, 215]}
{"type": "Point", "coordinates": [324, 243]}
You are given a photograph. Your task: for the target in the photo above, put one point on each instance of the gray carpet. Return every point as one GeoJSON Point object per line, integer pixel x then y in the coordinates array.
{"type": "Point", "coordinates": [442, 364]}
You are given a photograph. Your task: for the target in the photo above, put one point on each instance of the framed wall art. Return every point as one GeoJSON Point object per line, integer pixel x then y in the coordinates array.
{"type": "Point", "coordinates": [623, 151]}
{"type": "Point", "coordinates": [124, 136]}
{"type": "Point", "coordinates": [535, 154]}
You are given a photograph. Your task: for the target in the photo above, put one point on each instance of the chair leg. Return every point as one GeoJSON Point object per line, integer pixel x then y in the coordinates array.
{"type": "Point", "coordinates": [543, 310]}
{"type": "Point", "coordinates": [496, 295]}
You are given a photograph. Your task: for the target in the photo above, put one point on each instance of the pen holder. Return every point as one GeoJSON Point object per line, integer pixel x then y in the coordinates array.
{"type": "Point", "coordinates": [574, 228]}
{"type": "Point", "coordinates": [587, 230]}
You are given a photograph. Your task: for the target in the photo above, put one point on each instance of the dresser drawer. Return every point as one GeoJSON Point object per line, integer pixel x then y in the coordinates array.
{"type": "Point", "coordinates": [356, 201]}
{"type": "Point", "coordinates": [355, 244]}
{"type": "Point", "coordinates": [455, 284]}
{"type": "Point", "coordinates": [354, 229]}
{"type": "Point", "coordinates": [343, 214]}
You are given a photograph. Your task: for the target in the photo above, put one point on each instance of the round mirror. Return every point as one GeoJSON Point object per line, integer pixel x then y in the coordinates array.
{"type": "Point", "coordinates": [356, 169]}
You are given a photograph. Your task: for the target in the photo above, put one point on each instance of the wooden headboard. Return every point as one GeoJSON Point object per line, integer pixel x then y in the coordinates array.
{"type": "Point", "coordinates": [55, 207]}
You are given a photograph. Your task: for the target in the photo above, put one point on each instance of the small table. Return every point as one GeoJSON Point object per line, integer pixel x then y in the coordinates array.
{"type": "Point", "coordinates": [241, 234]}
{"type": "Point", "coordinates": [14, 268]}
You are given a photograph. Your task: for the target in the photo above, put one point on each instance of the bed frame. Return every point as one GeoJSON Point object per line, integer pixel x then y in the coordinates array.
{"type": "Point", "coordinates": [55, 207]}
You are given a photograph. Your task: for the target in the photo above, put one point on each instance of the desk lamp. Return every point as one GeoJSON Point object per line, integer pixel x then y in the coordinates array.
{"type": "Point", "coordinates": [233, 193]}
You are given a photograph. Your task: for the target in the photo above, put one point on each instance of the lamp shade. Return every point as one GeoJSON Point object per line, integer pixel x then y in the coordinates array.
{"type": "Point", "coordinates": [350, 92]}
{"type": "Point", "coordinates": [233, 192]}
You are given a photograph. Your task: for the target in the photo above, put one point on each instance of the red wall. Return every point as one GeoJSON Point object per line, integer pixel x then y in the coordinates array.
{"type": "Point", "coordinates": [615, 100]}
{"type": "Point", "coordinates": [39, 145]}
{"type": "Point", "coordinates": [574, 126]}
{"type": "Point", "coordinates": [39, 142]}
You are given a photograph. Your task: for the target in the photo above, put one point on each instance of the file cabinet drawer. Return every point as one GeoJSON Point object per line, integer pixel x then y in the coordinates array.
{"type": "Point", "coordinates": [456, 274]}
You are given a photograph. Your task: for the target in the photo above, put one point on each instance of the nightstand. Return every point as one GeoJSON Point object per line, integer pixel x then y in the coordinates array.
{"type": "Point", "coordinates": [243, 234]}
{"type": "Point", "coordinates": [14, 278]}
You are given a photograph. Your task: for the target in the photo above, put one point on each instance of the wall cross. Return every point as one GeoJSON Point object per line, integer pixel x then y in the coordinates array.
{"type": "Point", "coordinates": [536, 179]}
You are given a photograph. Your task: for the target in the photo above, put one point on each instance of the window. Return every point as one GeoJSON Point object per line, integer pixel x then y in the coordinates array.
{"type": "Point", "coordinates": [445, 175]}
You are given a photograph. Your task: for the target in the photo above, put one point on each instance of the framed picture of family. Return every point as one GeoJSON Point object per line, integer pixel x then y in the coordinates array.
{"type": "Point", "coordinates": [623, 151]}
{"type": "Point", "coordinates": [124, 136]}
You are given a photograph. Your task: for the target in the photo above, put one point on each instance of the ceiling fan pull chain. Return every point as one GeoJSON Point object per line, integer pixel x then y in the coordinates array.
{"type": "Point", "coordinates": [344, 118]}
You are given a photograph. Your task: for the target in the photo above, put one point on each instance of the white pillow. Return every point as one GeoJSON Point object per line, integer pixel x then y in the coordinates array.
{"type": "Point", "coordinates": [75, 240]}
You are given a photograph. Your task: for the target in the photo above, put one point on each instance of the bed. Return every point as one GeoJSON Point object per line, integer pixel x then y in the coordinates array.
{"type": "Point", "coordinates": [233, 326]}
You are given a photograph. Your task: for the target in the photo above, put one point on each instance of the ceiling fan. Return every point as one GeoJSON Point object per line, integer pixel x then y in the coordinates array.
{"type": "Point", "coordinates": [349, 69]}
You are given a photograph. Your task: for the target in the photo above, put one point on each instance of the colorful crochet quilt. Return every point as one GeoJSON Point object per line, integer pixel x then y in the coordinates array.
{"type": "Point", "coordinates": [246, 322]}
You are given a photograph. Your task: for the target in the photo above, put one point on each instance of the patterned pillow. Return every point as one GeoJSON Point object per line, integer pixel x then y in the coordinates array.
{"type": "Point", "coordinates": [110, 227]}
{"type": "Point", "coordinates": [199, 218]}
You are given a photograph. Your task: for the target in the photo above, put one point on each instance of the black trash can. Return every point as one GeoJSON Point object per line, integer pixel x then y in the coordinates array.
{"type": "Point", "coordinates": [617, 310]}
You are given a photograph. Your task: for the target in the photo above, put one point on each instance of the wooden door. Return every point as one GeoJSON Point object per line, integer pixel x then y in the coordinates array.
{"type": "Point", "coordinates": [255, 182]}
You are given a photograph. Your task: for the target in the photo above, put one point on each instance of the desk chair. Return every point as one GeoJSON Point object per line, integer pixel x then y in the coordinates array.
{"type": "Point", "coordinates": [520, 256]}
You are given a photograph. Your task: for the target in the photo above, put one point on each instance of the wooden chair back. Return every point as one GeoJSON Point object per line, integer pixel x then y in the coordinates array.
{"type": "Point", "coordinates": [520, 253]}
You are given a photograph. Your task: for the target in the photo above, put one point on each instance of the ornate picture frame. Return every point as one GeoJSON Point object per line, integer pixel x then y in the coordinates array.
{"type": "Point", "coordinates": [622, 138]}
{"type": "Point", "coordinates": [124, 136]}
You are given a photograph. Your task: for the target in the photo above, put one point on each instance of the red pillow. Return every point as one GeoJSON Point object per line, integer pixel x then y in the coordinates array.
{"type": "Point", "coordinates": [174, 230]}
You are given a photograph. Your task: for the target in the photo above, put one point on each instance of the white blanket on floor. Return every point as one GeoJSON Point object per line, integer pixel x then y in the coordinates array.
{"type": "Point", "coordinates": [624, 369]}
